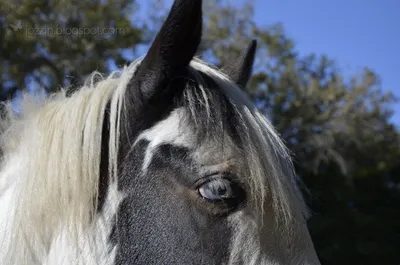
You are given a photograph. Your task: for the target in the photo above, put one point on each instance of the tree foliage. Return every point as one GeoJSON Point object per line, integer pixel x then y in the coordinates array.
{"type": "Point", "coordinates": [345, 148]}
{"type": "Point", "coordinates": [52, 44]}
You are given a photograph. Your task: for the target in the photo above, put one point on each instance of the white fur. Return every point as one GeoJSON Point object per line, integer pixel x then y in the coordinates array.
{"type": "Point", "coordinates": [170, 130]}
{"type": "Point", "coordinates": [93, 244]}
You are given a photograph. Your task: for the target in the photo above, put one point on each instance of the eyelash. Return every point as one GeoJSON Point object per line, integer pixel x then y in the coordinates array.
{"type": "Point", "coordinates": [213, 176]}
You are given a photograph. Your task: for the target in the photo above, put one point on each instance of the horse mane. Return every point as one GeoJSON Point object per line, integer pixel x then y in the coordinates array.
{"type": "Point", "coordinates": [55, 143]}
{"type": "Point", "coordinates": [51, 155]}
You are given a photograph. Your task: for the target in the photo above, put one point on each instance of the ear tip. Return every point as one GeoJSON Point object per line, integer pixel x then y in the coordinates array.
{"type": "Point", "coordinates": [192, 9]}
{"type": "Point", "coordinates": [253, 44]}
{"type": "Point", "coordinates": [188, 2]}
{"type": "Point", "coordinates": [251, 49]}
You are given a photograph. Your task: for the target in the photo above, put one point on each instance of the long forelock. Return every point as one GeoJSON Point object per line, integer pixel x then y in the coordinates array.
{"type": "Point", "coordinates": [271, 174]}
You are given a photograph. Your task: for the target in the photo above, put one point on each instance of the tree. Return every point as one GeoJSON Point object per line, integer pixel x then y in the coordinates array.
{"type": "Point", "coordinates": [52, 44]}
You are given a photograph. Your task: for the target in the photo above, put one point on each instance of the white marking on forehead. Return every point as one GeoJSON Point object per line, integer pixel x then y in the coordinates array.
{"type": "Point", "coordinates": [171, 130]}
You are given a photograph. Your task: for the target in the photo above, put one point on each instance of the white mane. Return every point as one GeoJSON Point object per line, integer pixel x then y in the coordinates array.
{"type": "Point", "coordinates": [50, 170]}
{"type": "Point", "coordinates": [51, 154]}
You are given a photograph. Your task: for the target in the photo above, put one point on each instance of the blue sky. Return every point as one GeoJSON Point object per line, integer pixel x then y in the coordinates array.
{"type": "Point", "coordinates": [355, 33]}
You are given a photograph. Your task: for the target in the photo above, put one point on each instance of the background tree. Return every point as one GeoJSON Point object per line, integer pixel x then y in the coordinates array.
{"type": "Point", "coordinates": [346, 150]}
{"type": "Point", "coordinates": [40, 46]}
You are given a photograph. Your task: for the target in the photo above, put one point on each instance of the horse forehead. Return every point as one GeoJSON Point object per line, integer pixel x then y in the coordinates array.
{"type": "Point", "coordinates": [171, 130]}
{"type": "Point", "coordinates": [175, 130]}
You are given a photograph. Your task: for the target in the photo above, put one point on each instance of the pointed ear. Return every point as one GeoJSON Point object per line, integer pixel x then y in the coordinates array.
{"type": "Point", "coordinates": [172, 50]}
{"type": "Point", "coordinates": [163, 72]}
{"type": "Point", "coordinates": [240, 69]}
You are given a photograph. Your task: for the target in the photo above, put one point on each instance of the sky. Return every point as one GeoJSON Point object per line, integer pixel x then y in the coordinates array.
{"type": "Point", "coordinates": [355, 33]}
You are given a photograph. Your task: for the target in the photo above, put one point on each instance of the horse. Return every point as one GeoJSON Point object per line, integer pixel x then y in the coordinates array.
{"type": "Point", "coordinates": [166, 161]}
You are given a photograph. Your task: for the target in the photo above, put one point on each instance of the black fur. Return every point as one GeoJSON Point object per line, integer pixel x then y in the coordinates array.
{"type": "Point", "coordinates": [163, 72]}
{"type": "Point", "coordinates": [158, 223]}
{"type": "Point", "coordinates": [240, 69]}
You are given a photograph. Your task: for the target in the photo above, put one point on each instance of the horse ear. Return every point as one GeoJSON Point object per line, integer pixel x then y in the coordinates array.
{"type": "Point", "coordinates": [240, 70]}
{"type": "Point", "coordinates": [173, 48]}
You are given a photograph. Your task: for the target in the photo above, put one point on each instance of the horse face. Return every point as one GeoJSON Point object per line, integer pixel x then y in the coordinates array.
{"type": "Point", "coordinates": [189, 177]}
{"type": "Point", "coordinates": [179, 194]}
{"type": "Point", "coordinates": [178, 187]}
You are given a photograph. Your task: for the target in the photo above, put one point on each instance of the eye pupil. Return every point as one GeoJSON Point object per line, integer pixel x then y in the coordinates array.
{"type": "Point", "coordinates": [221, 190]}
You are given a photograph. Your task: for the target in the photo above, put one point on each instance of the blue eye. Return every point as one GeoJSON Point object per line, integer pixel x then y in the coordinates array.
{"type": "Point", "coordinates": [217, 189]}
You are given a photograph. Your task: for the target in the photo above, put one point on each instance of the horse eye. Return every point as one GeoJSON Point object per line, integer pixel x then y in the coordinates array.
{"type": "Point", "coordinates": [217, 190]}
